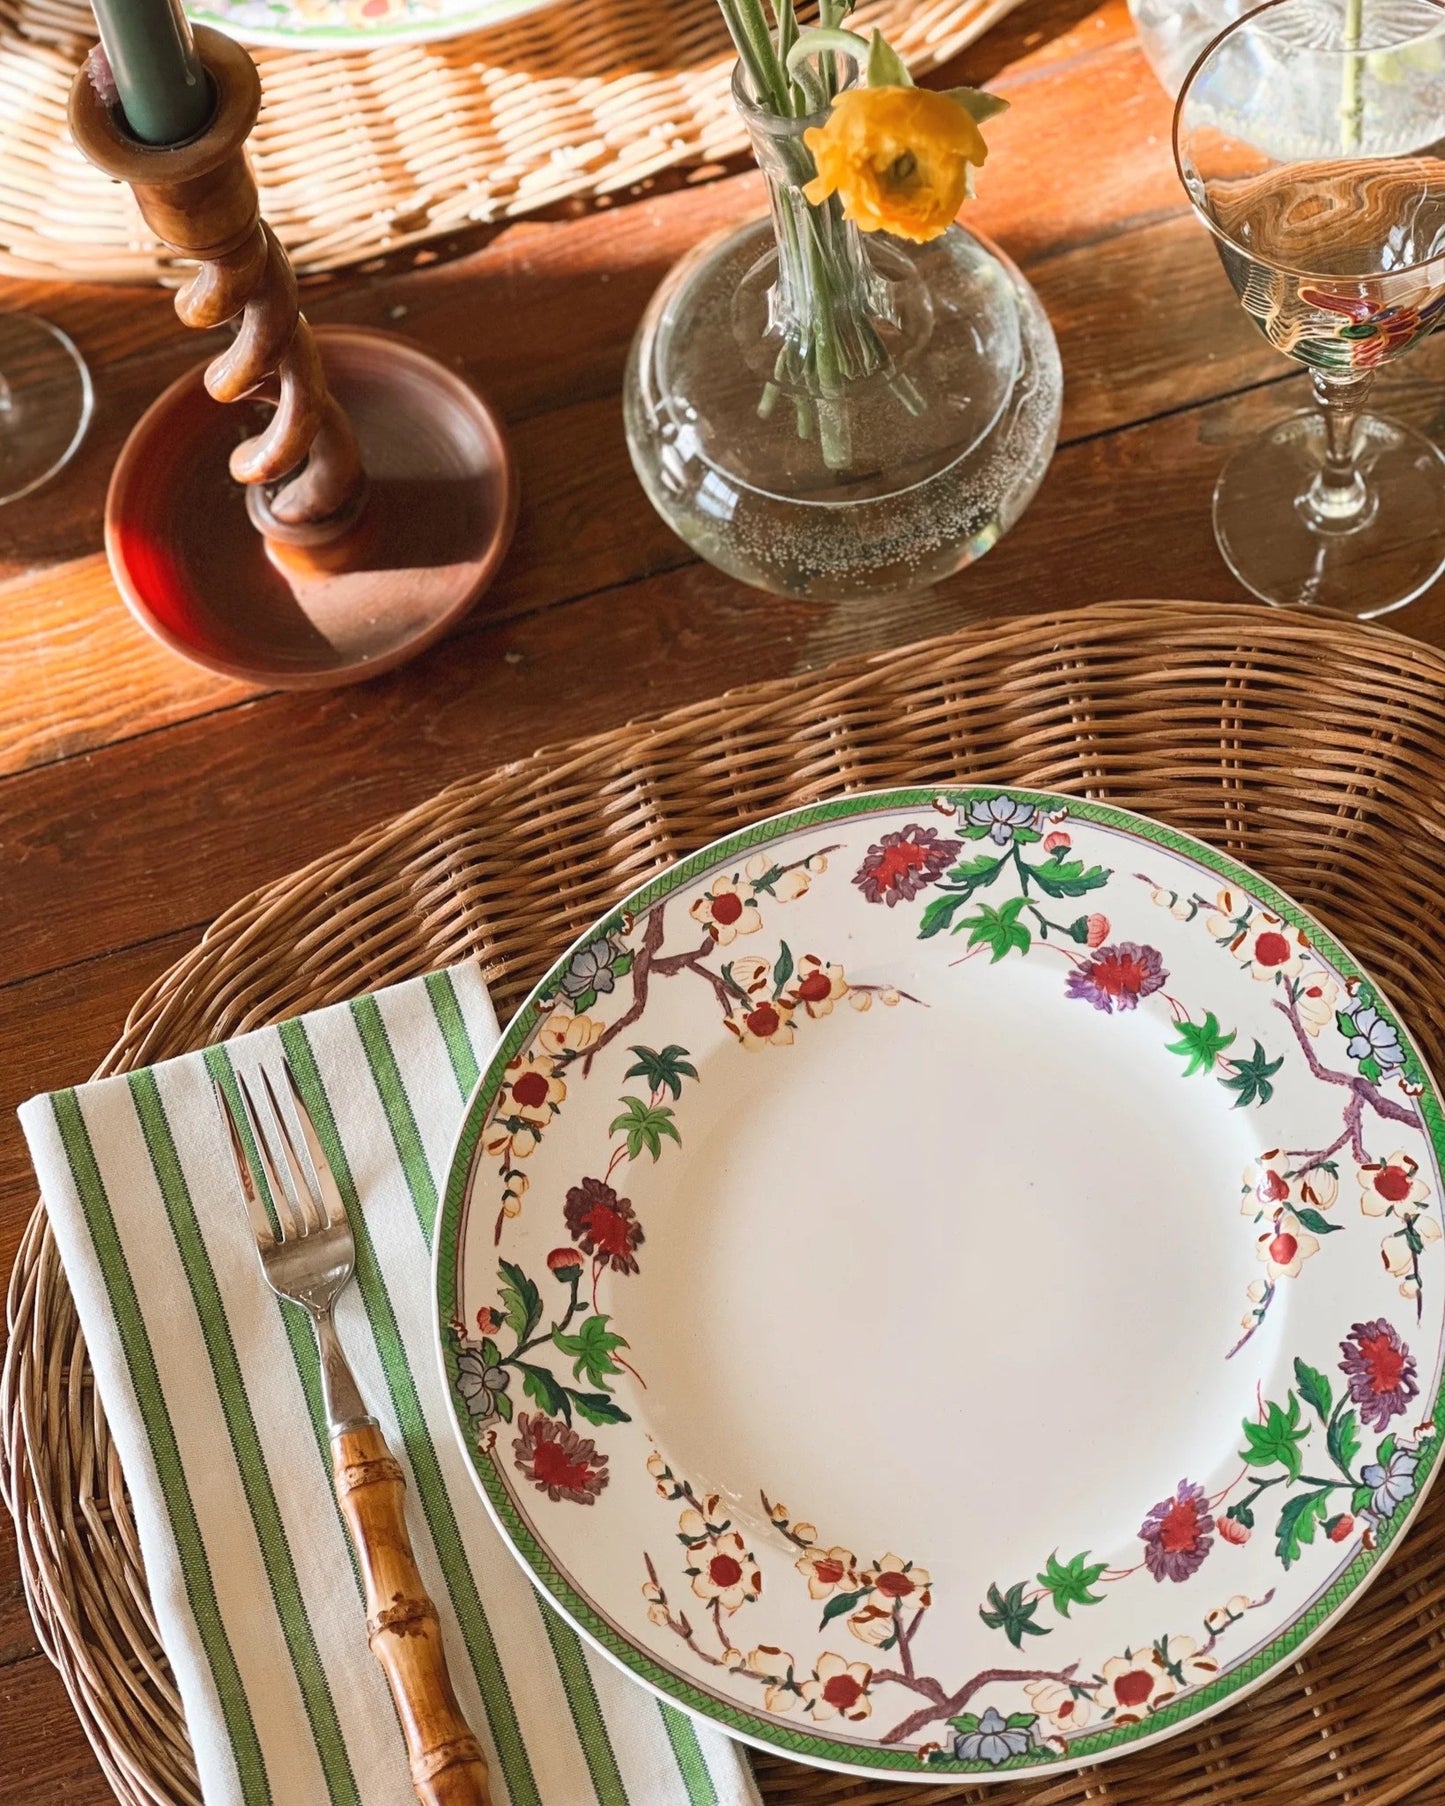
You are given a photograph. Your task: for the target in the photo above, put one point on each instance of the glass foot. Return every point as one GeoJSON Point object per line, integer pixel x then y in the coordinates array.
{"type": "Point", "coordinates": [1370, 562]}
{"type": "Point", "coordinates": [45, 403]}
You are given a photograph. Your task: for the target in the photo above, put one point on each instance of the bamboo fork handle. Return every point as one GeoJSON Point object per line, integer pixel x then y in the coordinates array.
{"type": "Point", "coordinates": [447, 1765]}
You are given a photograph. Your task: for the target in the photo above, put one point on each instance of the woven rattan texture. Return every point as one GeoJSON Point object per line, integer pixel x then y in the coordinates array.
{"type": "Point", "coordinates": [1312, 751]}
{"type": "Point", "coordinates": [360, 153]}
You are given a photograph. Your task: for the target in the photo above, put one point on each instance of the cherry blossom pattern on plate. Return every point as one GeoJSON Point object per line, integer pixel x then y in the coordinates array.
{"type": "Point", "coordinates": [884, 1605]}
{"type": "Point", "coordinates": [534, 1087]}
{"type": "Point", "coordinates": [1286, 1192]}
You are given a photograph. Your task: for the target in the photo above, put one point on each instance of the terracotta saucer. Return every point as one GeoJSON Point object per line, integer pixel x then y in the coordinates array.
{"type": "Point", "coordinates": [438, 519]}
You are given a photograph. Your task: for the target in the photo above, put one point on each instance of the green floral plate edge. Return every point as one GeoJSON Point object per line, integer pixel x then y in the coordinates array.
{"type": "Point", "coordinates": [766, 1733]}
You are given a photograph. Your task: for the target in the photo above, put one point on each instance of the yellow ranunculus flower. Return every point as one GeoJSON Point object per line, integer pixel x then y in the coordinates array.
{"type": "Point", "coordinates": [899, 158]}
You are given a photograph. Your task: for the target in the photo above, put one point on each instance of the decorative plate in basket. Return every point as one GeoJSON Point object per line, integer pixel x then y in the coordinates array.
{"type": "Point", "coordinates": [950, 1284]}
{"type": "Point", "coordinates": [353, 24]}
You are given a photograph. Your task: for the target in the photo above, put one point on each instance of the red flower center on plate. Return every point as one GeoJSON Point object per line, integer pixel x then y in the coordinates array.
{"type": "Point", "coordinates": [1117, 975]}
{"type": "Point", "coordinates": [893, 862]}
{"type": "Point", "coordinates": [815, 988]}
{"type": "Point", "coordinates": [530, 1090]}
{"type": "Point", "coordinates": [611, 1232]}
{"type": "Point", "coordinates": [554, 1467]}
{"type": "Point", "coordinates": [1273, 1189]}
{"type": "Point", "coordinates": [724, 1571]}
{"type": "Point", "coordinates": [1134, 1688]}
{"type": "Point", "coordinates": [842, 1692]}
{"type": "Point", "coordinates": [1384, 1363]}
{"type": "Point", "coordinates": [1283, 1249]}
{"type": "Point", "coordinates": [763, 1021]}
{"type": "Point", "coordinates": [828, 1572]}
{"type": "Point", "coordinates": [1393, 1184]}
{"type": "Point", "coordinates": [1271, 949]}
{"type": "Point", "coordinates": [1179, 1530]}
{"type": "Point", "coordinates": [893, 1586]}
{"type": "Point", "coordinates": [727, 907]}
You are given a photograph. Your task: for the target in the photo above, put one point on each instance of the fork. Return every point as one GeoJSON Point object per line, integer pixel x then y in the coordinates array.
{"type": "Point", "coordinates": [310, 1261]}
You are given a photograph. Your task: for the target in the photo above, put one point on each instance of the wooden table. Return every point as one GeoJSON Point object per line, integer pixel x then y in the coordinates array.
{"type": "Point", "coordinates": [139, 797]}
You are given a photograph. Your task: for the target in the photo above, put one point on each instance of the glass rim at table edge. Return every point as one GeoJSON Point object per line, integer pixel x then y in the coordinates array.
{"type": "Point", "coordinates": [1217, 231]}
{"type": "Point", "coordinates": [643, 1665]}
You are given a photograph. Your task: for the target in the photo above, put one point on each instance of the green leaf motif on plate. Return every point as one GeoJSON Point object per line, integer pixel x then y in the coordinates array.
{"type": "Point", "coordinates": [1013, 1614]}
{"type": "Point", "coordinates": [521, 1301]}
{"type": "Point", "coordinates": [1251, 1083]}
{"type": "Point", "coordinates": [1298, 1521]}
{"type": "Point", "coordinates": [1000, 930]}
{"type": "Point", "coordinates": [1069, 1582]}
{"type": "Point", "coordinates": [597, 1407]}
{"type": "Point", "coordinates": [782, 968]}
{"type": "Point", "coordinates": [644, 1125]}
{"type": "Point", "coordinates": [1067, 877]}
{"type": "Point", "coordinates": [1315, 1223]}
{"type": "Point", "coordinates": [1314, 1388]}
{"type": "Point", "coordinates": [1201, 1043]}
{"type": "Point", "coordinates": [538, 1384]}
{"type": "Point", "coordinates": [664, 1070]}
{"type": "Point", "coordinates": [1343, 1441]}
{"type": "Point", "coordinates": [940, 913]}
{"type": "Point", "coordinates": [1277, 1439]}
{"type": "Point", "coordinates": [592, 1346]}
{"type": "Point", "coordinates": [841, 1603]}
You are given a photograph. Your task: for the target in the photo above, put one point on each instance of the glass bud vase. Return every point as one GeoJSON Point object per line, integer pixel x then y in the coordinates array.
{"type": "Point", "coordinates": [836, 415]}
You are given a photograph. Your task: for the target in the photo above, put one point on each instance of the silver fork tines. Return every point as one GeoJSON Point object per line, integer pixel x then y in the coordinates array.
{"type": "Point", "coordinates": [313, 1257]}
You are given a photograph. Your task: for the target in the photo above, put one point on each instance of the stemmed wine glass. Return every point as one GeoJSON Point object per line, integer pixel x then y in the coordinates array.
{"type": "Point", "coordinates": [46, 400]}
{"type": "Point", "coordinates": [1310, 137]}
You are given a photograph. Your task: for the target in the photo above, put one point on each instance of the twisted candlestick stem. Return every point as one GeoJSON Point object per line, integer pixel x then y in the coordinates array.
{"type": "Point", "coordinates": [200, 199]}
{"type": "Point", "coordinates": [274, 356]}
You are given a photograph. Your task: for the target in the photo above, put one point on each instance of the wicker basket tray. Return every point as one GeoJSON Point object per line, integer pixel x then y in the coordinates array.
{"type": "Point", "coordinates": [366, 152]}
{"type": "Point", "coordinates": [1312, 750]}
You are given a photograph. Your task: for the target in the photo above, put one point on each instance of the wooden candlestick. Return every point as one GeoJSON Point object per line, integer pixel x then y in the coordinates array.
{"type": "Point", "coordinates": [318, 576]}
{"type": "Point", "coordinates": [200, 200]}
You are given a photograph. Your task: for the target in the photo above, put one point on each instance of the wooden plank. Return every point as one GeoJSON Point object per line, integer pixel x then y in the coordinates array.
{"type": "Point", "coordinates": [578, 287]}
{"type": "Point", "coordinates": [166, 830]}
{"type": "Point", "coordinates": [47, 1758]}
{"type": "Point", "coordinates": [1129, 324]}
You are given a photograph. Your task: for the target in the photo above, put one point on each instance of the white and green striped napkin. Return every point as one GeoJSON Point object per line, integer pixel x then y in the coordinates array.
{"type": "Point", "coordinates": [211, 1389]}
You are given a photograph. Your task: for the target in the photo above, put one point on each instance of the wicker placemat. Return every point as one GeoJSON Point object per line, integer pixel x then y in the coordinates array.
{"type": "Point", "coordinates": [359, 153]}
{"type": "Point", "coordinates": [1312, 750]}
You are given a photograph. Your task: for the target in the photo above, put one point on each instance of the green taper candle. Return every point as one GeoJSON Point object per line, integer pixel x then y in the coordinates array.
{"type": "Point", "coordinates": [160, 84]}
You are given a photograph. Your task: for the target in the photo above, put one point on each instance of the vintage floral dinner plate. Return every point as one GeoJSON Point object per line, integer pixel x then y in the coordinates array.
{"type": "Point", "coordinates": [950, 1284]}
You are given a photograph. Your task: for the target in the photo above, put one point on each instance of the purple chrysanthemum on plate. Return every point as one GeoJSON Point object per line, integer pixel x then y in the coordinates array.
{"type": "Point", "coordinates": [1178, 1533]}
{"type": "Point", "coordinates": [1115, 978]}
{"type": "Point", "coordinates": [901, 864]}
{"type": "Point", "coordinates": [1381, 1371]}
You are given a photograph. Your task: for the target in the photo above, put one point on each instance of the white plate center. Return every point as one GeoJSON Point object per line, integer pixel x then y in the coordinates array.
{"type": "Point", "coordinates": [954, 1294]}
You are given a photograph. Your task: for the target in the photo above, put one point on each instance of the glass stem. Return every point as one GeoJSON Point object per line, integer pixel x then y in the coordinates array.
{"type": "Point", "coordinates": [1338, 492]}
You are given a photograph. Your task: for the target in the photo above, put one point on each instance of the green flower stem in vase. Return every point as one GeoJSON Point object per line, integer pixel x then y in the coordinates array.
{"type": "Point", "coordinates": [855, 396]}
{"type": "Point", "coordinates": [828, 302]}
